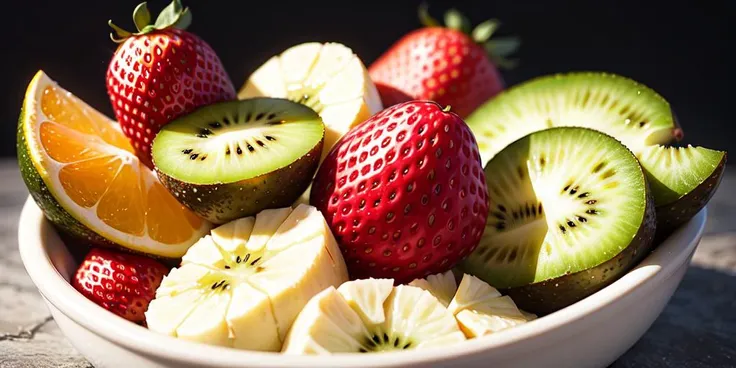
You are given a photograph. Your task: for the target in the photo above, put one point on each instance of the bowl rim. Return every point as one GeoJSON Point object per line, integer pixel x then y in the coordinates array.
{"type": "Point", "coordinates": [36, 234]}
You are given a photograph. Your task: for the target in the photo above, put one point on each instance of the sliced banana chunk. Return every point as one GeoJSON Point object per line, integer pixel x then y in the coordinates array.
{"type": "Point", "coordinates": [366, 297]}
{"type": "Point", "coordinates": [250, 310]}
{"type": "Point", "coordinates": [371, 315]}
{"type": "Point", "coordinates": [491, 316]}
{"type": "Point", "coordinates": [472, 291]}
{"type": "Point", "coordinates": [326, 325]}
{"type": "Point", "coordinates": [441, 285]}
{"type": "Point", "coordinates": [479, 308]}
{"type": "Point", "coordinates": [243, 285]}
{"type": "Point", "coordinates": [528, 316]}
{"type": "Point", "coordinates": [328, 77]}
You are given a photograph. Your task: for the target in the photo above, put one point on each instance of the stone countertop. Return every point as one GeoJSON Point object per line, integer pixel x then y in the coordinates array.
{"type": "Point", "coordinates": [697, 328]}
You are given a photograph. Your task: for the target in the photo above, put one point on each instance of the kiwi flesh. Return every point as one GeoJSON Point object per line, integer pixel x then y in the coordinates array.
{"type": "Point", "coordinates": [571, 212]}
{"type": "Point", "coordinates": [234, 159]}
{"type": "Point", "coordinates": [685, 179]}
{"type": "Point", "coordinates": [682, 179]}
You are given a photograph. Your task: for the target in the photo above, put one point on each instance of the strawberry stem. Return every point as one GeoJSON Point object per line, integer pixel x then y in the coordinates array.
{"type": "Point", "coordinates": [173, 16]}
{"type": "Point", "coordinates": [498, 48]}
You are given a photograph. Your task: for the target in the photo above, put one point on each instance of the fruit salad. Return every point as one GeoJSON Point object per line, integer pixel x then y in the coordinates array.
{"type": "Point", "coordinates": [330, 206]}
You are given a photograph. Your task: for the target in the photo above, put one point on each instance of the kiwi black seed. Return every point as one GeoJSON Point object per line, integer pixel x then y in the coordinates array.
{"type": "Point", "coordinates": [682, 180]}
{"type": "Point", "coordinates": [571, 212]}
{"type": "Point", "coordinates": [234, 159]}
{"type": "Point", "coordinates": [380, 341]}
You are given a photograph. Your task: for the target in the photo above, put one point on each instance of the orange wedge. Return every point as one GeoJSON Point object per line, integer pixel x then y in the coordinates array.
{"type": "Point", "coordinates": [84, 175]}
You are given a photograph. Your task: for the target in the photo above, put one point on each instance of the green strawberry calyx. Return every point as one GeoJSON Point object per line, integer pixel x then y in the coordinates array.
{"type": "Point", "coordinates": [173, 15]}
{"type": "Point", "coordinates": [498, 48]}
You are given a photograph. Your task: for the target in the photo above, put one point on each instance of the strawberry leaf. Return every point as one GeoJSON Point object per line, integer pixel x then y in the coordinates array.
{"type": "Point", "coordinates": [504, 63]}
{"type": "Point", "coordinates": [119, 35]}
{"type": "Point", "coordinates": [174, 15]}
{"type": "Point", "coordinates": [500, 48]}
{"type": "Point", "coordinates": [424, 17]}
{"type": "Point", "coordinates": [141, 16]}
{"type": "Point", "coordinates": [184, 20]}
{"type": "Point", "coordinates": [503, 46]}
{"type": "Point", "coordinates": [170, 15]}
{"type": "Point", "coordinates": [485, 30]}
{"type": "Point", "coordinates": [457, 21]}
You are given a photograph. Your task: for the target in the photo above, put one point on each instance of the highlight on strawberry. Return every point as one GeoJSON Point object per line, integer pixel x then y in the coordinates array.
{"type": "Point", "coordinates": [161, 72]}
{"type": "Point", "coordinates": [453, 64]}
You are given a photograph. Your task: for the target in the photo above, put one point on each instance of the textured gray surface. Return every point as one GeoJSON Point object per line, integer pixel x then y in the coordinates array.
{"type": "Point", "coordinates": [697, 329]}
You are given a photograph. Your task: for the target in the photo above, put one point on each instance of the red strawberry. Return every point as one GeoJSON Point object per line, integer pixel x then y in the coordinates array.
{"type": "Point", "coordinates": [160, 73]}
{"type": "Point", "coordinates": [404, 192]}
{"type": "Point", "coordinates": [454, 65]}
{"type": "Point", "coordinates": [122, 283]}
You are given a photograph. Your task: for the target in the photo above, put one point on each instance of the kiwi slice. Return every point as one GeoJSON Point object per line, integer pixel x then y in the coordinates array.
{"type": "Point", "coordinates": [682, 179]}
{"type": "Point", "coordinates": [234, 159]}
{"type": "Point", "coordinates": [571, 212]}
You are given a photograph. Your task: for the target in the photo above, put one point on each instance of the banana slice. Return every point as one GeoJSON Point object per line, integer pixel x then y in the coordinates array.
{"type": "Point", "coordinates": [479, 308]}
{"type": "Point", "coordinates": [328, 77]}
{"type": "Point", "coordinates": [442, 285]}
{"type": "Point", "coordinates": [243, 285]}
{"type": "Point", "coordinates": [528, 316]}
{"type": "Point", "coordinates": [371, 315]}
{"type": "Point", "coordinates": [470, 292]}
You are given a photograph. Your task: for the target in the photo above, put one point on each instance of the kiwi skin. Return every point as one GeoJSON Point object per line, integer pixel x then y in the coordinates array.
{"type": "Point", "coordinates": [551, 295]}
{"type": "Point", "coordinates": [672, 215]}
{"type": "Point", "coordinates": [221, 203]}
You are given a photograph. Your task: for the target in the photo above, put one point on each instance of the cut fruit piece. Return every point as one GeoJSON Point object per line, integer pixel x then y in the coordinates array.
{"type": "Point", "coordinates": [570, 213]}
{"type": "Point", "coordinates": [327, 77]}
{"type": "Point", "coordinates": [493, 316]}
{"type": "Point", "coordinates": [682, 180]}
{"type": "Point", "coordinates": [243, 285]}
{"type": "Point", "coordinates": [371, 315]}
{"type": "Point", "coordinates": [366, 297]}
{"type": "Point", "coordinates": [442, 285]}
{"type": "Point", "coordinates": [84, 175]}
{"type": "Point", "coordinates": [478, 307]}
{"type": "Point", "coordinates": [472, 290]}
{"type": "Point", "coordinates": [234, 159]}
{"type": "Point", "coordinates": [620, 107]}
{"type": "Point", "coordinates": [528, 316]}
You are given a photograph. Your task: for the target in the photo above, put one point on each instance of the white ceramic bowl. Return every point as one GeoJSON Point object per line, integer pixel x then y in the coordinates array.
{"type": "Point", "coordinates": [591, 333]}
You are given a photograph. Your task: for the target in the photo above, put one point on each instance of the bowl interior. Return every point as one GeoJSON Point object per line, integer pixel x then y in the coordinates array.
{"type": "Point", "coordinates": [50, 265]}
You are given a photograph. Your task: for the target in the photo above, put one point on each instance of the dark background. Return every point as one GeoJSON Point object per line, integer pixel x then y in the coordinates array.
{"type": "Point", "coordinates": [684, 49]}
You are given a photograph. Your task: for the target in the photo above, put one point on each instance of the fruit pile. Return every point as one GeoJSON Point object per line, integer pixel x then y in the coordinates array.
{"type": "Point", "coordinates": [329, 207]}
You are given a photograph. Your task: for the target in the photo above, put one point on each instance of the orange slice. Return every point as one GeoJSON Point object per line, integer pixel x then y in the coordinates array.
{"type": "Point", "coordinates": [92, 173]}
